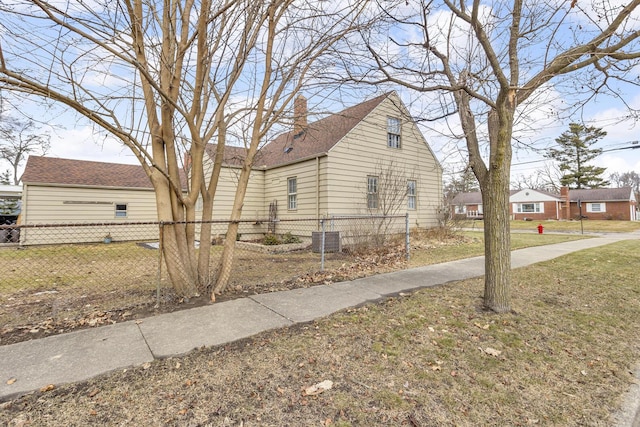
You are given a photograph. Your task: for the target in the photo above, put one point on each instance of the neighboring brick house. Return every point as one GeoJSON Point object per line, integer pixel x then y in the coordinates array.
{"type": "Point", "coordinates": [600, 203]}
{"type": "Point", "coordinates": [537, 205]}
{"type": "Point", "coordinates": [467, 205]}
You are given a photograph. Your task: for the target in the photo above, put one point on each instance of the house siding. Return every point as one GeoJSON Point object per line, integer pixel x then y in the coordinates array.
{"type": "Point", "coordinates": [550, 212]}
{"type": "Point", "coordinates": [51, 205]}
{"type": "Point", "coordinates": [617, 210]}
{"type": "Point", "coordinates": [253, 205]}
{"type": "Point", "coordinates": [311, 176]}
{"type": "Point", "coordinates": [364, 151]}
{"type": "Point", "coordinates": [82, 205]}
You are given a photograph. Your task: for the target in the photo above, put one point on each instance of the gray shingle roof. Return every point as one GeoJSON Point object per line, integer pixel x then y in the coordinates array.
{"type": "Point", "coordinates": [601, 194]}
{"type": "Point", "coordinates": [474, 198]}
{"type": "Point", "coordinates": [595, 194]}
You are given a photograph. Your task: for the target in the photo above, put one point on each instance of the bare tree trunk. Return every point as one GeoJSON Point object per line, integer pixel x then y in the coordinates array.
{"type": "Point", "coordinates": [208, 194]}
{"type": "Point", "coordinates": [226, 260]}
{"type": "Point", "coordinates": [497, 243]}
{"type": "Point", "coordinates": [176, 258]}
{"type": "Point", "coordinates": [495, 198]}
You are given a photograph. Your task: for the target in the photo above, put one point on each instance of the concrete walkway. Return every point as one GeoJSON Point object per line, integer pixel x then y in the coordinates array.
{"type": "Point", "coordinates": [80, 355]}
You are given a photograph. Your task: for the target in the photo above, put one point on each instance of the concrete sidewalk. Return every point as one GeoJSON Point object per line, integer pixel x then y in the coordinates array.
{"type": "Point", "coordinates": [80, 355]}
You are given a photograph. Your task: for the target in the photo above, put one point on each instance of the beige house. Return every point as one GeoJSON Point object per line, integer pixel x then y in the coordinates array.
{"type": "Point", "coordinates": [368, 159]}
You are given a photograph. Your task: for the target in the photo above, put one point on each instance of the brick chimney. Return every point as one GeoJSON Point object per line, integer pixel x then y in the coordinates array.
{"type": "Point", "coordinates": [565, 203]}
{"type": "Point", "coordinates": [299, 115]}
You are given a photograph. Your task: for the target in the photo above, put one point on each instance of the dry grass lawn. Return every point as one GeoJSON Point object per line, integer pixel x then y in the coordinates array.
{"type": "Point", "coordinates": [434, 358]}
{"type": "Point", "coordinates": [53, 289]}
{"type": "Point", "coordinates": [588, 226]}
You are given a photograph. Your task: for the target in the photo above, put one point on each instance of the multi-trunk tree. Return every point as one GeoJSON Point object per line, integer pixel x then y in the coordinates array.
{"type": "Point", "coordinates": [169, 77]}
{"type": "Point", "coordinates": [484, 65]}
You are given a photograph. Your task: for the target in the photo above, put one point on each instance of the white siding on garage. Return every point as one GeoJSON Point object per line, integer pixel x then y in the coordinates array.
{"type": "Point", "coordinates": [83, 205]}
{"type": "Point", "coordinates": [49, 205]}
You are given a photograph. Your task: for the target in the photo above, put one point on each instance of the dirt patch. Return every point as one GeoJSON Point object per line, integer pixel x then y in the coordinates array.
{"type": "Point", "coordinates": [41, 312]}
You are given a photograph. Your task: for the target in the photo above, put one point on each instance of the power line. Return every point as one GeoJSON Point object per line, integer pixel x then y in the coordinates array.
{"type": "Point", "coordinates": [633, 146]}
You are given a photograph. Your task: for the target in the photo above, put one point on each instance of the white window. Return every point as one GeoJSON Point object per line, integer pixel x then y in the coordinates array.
{"type": "Point", "coordinates": [461, 209]}
{"type": "Point", "coordinates": [596, 207]}
{"type": "Point", "coordinates": [372, 192]}
{"type": "Point", "coordinates": [530, 208]}
{"type": "Point", "coordinates": [393, 132]}
{"type": "Point", "coordinates": [411, 194]}
{"type": "Point", "coordinates": [292, 192]}
{"type": "Point", "coordinates": [121, 210]}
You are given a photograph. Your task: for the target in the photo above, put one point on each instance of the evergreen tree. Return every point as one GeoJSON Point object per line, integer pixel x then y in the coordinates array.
{"type": "Point", "coordinates": [5, 177]}
{"type": "Point", "coordinates": [466, 182]}
{"type": "Point", "coordinates": [575, 153]}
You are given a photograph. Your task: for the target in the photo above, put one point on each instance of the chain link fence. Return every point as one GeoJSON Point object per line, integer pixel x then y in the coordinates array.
{"type": "Point", "coordinates": [56, 277]}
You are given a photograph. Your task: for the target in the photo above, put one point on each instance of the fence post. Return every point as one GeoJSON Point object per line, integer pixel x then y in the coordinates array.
{"type": "Point", "coordinates": [160, 250]}
{"type": "Point", "coordinates": [406, 232]}
{"type": "Point", "coordinates": [322, 246]}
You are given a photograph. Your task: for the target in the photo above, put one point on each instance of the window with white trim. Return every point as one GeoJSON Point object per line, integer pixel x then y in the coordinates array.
{"type": "Point", "coordinates": [292, 192]}
{"type": "Point", "coordinates": [461, 209]}
{"type": "Point", "coordinates": [393, 132]}
{"type": "Point", "coordinates": [121, 210]}
{"type": "Point", "coordinates": [530, 208]}
{"type": "Point", "coordinates": [596, 207]}
{"type": "Point", "coordinates": [411, 194]}
{"type": "Point", "coordinates": [372, 192]}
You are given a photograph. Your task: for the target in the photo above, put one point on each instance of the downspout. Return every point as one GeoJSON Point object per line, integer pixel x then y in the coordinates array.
{"type": "Point", "coordinates": [23, 206]}
{"type": "Point", "coordinates": [318, 188]}
{"type": "Point", "coordinates": [23, 214]}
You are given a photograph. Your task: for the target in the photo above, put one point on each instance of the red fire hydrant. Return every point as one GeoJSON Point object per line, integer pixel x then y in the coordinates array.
{"type": "Point", "coordinates": [540, 228]}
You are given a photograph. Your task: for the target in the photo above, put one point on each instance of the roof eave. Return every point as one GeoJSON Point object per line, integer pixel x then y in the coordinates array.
{"type": "Point", "coordinates": [102, 187]}
{"type": "Point", "coordinates": [293, 162]}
